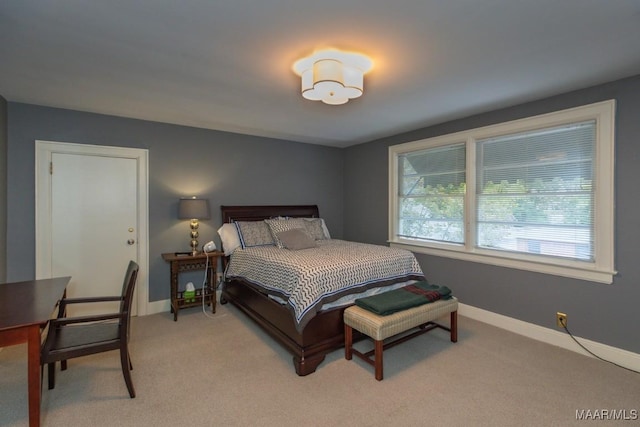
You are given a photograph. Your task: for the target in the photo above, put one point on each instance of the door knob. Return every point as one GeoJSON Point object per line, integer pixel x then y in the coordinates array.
{"type": "Point", "coordinates": [130, 242]}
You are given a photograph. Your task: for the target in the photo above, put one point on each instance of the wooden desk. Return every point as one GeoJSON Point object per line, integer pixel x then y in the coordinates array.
{"type": "Point", "coordinates": [184, 263]}
{"type": "Point", "coordinates": [25, 309]}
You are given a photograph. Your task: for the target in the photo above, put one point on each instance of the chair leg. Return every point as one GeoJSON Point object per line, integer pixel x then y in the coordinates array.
{"type": "Point", "coordinates": [126, 370]}
{"type": "Point", "coordinates": [51, 375]}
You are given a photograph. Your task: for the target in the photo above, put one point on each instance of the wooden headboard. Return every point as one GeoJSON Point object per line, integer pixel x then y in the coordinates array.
{"type": "Point", "coordinates": [257, 213]}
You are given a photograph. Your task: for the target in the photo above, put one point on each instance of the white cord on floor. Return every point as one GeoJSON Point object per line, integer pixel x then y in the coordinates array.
{"type": "Point", "coordinates": [204, 285]}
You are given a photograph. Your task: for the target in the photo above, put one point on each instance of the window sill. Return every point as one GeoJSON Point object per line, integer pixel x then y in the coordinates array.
{"type": "Point", "coordinates": [582, 272]}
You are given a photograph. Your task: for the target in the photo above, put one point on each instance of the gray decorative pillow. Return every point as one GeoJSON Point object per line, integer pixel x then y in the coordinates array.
{"type": "Point", "coordinates": [314, 228]}
{"type": "Point", "coordinates": [278, 225]}
{"type": "Point", "coordinates": [296, 239]}
{"type": "Point", "coordinates": [254, 233]}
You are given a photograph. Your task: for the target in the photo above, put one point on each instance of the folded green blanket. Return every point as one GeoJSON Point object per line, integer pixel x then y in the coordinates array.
{"type": "Point", "coordinates": [403, 298]}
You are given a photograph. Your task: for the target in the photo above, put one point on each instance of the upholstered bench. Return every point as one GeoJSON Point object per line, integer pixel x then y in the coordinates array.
{"type": "Point", "coordinates": [381, 327]}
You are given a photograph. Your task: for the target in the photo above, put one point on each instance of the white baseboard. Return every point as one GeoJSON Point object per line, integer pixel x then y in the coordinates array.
{"type": "Point", "coordinates": [161, 306]}
{"type": "Point", "coordinates": [164, 306]}
{"type": "Point", "coordinates": [616, 355]}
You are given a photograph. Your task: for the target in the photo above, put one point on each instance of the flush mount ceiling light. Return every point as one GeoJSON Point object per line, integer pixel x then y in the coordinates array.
{"type": "Point", "coordinates": [332, 76]}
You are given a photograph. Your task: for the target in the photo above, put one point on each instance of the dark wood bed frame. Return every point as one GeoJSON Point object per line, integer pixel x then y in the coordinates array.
{"type": "Point", "coordinates": [322, 335]}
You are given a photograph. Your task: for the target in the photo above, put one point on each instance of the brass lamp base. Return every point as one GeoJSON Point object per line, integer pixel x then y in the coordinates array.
{"type": "Point", "coordinates": [194, 236]}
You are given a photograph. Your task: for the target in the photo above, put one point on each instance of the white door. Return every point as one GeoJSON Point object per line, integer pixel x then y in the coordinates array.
{"type": "Point", "coordinates": [94, 225]}
{"type": "Point", "coordinates": [92, 228]}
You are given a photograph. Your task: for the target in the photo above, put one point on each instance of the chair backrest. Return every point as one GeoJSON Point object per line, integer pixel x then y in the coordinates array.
{"type": "Point", "coordinates": [127, 293]}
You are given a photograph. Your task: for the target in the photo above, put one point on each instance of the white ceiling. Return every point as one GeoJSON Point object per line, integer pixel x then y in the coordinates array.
{"type": "Point", "coordinates": [226, 64]}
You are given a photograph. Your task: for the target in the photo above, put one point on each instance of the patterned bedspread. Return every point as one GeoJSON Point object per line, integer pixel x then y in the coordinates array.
{"type": "Point", "coordinates": [306, 279]}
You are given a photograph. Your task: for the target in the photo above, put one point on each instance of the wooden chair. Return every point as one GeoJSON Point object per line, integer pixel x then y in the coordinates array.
{"type": "Point", "coordinates": [70, 337]}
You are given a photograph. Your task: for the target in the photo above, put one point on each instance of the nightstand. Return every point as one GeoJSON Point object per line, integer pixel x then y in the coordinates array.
{"type": "Point", "coordinates": [184, 263]}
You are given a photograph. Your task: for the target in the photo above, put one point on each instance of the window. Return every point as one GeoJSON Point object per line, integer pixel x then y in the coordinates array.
{"type": "Point", "coordinates": [534, 191]}
{"type": "Point", "coordinates": [534, 194]}
{"type": "Point", "coordinates": [432, 189]}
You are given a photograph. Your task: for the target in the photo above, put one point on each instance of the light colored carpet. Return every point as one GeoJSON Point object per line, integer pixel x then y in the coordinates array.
{"type": "Point", "coordinates": [224, 371]}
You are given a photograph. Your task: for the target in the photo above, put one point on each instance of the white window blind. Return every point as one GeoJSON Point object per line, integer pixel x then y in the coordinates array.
{"type": "Point", "coordinates": [432, 189]}
{"type": "Point", "coordinates": [535, 192]}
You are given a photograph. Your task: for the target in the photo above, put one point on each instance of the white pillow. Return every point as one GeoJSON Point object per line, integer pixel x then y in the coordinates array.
{"type": "Point", "coordinates": [229, 236]}
{"type": "Point", "coordinates": [326, 229]}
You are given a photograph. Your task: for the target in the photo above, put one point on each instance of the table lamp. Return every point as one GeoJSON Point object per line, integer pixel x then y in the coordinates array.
{"type": "Point", "coordinates": [193, 209]}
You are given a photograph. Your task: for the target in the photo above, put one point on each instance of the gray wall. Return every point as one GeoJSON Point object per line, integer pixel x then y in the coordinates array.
{"type": "Point", "coordinates": [604, 313]}
{"type": "Point", "coordinates": [3, 189]}
{"type": "Point", "coordinates": [226, 168]}
{"type": "Point", "coordinates": [237, 169]}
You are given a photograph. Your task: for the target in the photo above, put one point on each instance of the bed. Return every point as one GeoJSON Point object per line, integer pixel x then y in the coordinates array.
{"type": "Point", "coordinates": [311, 329]}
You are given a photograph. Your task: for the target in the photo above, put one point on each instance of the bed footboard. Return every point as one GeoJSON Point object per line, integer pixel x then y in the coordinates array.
{"type": "Point", "coordinates": [322, 335]}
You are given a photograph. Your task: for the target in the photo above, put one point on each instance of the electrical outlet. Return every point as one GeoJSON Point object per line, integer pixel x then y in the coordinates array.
{"type": "Point", "coordinates": [561, 320]}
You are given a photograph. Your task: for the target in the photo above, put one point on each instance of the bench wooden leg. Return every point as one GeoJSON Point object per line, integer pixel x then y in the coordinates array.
{"type": "Point", "coordinates": [454, 326]}
{"type": "Point", "coordinates": [348, 342]}
{"type": "Point", "coordinates": [379, 347]}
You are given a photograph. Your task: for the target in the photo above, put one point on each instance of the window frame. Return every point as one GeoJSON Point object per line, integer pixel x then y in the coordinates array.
{"type": "Point", "coordinates": [601, 270]}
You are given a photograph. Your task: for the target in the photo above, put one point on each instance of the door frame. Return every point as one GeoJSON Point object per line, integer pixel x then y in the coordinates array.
{"type": "Point", "coordinates": [43, 248]}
